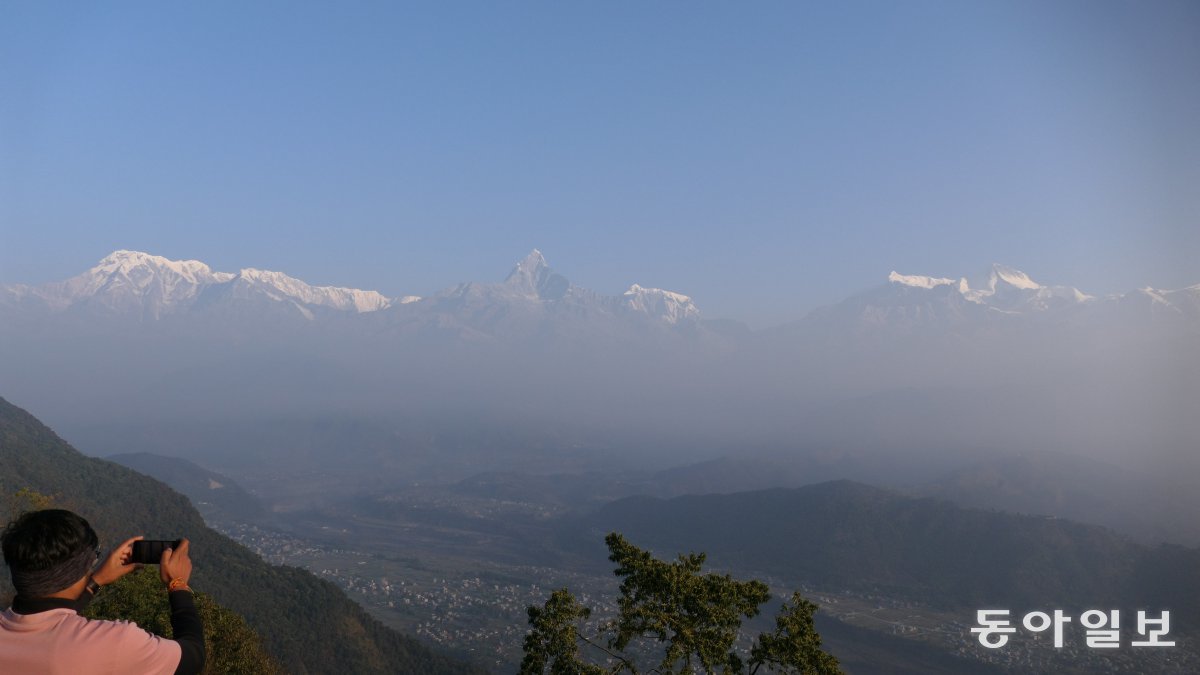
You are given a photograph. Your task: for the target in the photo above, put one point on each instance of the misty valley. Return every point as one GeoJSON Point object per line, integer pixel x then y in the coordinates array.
{"type": "Point", "coordinates": [456, 563]}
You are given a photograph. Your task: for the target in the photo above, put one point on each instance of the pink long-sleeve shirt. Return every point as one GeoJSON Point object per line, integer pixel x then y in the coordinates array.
{"type": "Point", "coordinates": [60, 642]}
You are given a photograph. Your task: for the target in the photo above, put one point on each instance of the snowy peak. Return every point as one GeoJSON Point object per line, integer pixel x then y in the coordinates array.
{"type": "Point", "coordinates": [532, 263]}
{"type": "Point", "coordinates": [532, 277]}
{"type": "Point", "coordinates": [1001, 274]}
{"type": "Point", "coordinates": [669, 306]}
{"type": "Point", "coordinates": [142, 271]}
{"type": "Point", "coordinates": [135, 264]}
{"type": "Point", "coordinates": [1179, 303]}
{"type": "Point", "coordinates": [998, 281]}
{"type": "Point", "coordinates": [1010, 289]}
{"type": "Point", "coordinates": [125, 280]}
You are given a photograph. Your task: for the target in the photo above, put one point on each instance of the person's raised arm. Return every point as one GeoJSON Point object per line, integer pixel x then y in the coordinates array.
{"type": "Point", "coordinates": [175, 569]}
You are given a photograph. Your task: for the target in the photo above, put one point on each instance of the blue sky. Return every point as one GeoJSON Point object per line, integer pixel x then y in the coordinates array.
{"type": "Point", "coordinates": [764, 158]}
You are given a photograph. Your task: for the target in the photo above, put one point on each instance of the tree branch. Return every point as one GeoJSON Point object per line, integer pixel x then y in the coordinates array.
{"type": "Point", "coordinates": [627, 663]}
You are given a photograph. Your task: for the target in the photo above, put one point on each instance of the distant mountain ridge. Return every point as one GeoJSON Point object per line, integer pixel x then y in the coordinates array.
{"type": "Point", "coordinates": [1145, 507]}
{"type": "Point", "coordinates": [216, 496]}
{"type": "Point", "coordinates": [848, 535]}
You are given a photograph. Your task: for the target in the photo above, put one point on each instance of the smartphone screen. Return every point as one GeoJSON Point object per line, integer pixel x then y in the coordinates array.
{"type": "Point", "coordinates": [149, 551]}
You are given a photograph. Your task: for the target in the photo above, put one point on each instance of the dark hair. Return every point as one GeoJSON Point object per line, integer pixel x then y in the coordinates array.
{"type": "Point", "coordinates": [42, 540]}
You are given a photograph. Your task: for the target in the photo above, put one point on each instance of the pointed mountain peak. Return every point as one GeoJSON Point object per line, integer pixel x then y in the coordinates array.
{"type": "Point", "coordinates": [533, 277]}
{"type": "Point", "coordinates": [997, 279]}
{"type": "Point", "coordinates": [1011, 276]}
{"type": "Point", "coordinates": [530, 264]}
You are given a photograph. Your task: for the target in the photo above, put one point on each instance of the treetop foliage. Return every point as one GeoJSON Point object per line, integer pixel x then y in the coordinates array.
{"type": "Point", "coordinates": [694, 617]}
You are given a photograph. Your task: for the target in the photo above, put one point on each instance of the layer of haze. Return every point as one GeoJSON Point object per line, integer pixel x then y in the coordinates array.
{"type": "Point", "coordinates": [764, 159]}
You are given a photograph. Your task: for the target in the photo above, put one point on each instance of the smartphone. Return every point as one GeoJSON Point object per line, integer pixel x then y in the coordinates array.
{"type": "Point", "coordinates": [149, 551]}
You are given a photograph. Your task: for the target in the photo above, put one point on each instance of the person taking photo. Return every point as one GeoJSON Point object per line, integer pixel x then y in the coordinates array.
{"type": "Point", "coordinates": [51, 555]}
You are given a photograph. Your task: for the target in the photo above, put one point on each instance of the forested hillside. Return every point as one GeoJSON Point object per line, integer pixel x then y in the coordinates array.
{"type": "Point", "coordinates": [307, 624]}
{"type": "Point", "coordinates": [847, 535]}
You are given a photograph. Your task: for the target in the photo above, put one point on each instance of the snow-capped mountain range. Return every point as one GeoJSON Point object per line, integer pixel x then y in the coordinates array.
{"type": "Point", "coordinates": [1001, 288]}
{"type": "Point", "coordinates": [909, 302]}
{"type": "Point", "coordinates": [153, 287]}
{"type": "Point", "coordinates": [132, 282]}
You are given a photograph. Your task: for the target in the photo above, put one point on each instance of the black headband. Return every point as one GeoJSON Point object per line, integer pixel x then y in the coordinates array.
{"type": "Point", "coordinates": [41, 583]}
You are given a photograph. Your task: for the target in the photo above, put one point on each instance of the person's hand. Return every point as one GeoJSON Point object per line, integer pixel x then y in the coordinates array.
{"type": "Point", "coordinates": [175, 564]}
{"type": "Point", "coordinates": [117, 564]}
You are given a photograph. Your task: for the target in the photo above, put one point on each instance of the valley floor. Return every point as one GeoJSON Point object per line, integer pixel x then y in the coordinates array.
{"type": "Point", "coordinates": [465, 590]}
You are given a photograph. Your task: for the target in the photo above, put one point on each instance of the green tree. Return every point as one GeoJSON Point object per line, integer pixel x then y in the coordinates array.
{"type": "Point", "coordinates": [27, 499]}
{"type": "Point", "coordinates": [552, 644]}
{"type": "Point", "coordinates": [795, 646]}
{"type": "Point", "coordinates": [695, 618]}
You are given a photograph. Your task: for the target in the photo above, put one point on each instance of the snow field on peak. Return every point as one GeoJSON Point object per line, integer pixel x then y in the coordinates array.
{"type": "Point", "coordinates": [165, 283]}
{"type": "Point", "coordinates": [126, 262]}
{"type": "Point", "coordinates": [1013, 277]}
{"type": "Point", "coordinates": [635, 290]}
{"type": "Point", "coordinates": [667, 305]}
{"type": "Point", "coordinates": [918, 281]}
{"type": "Point", "coordinates": [328, 296]}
